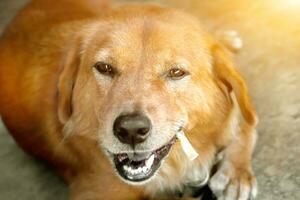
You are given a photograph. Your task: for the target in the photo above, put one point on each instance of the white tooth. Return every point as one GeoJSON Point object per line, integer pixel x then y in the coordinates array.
{"type": "Point", "coordinates": [150, 160]}
{"type": "Point", "coordinates": [125, 167]}
{"type": "Point", "coordinates": [139, 170]}
{"type": "Point", "coordinates": [147, 164]}
{"type": "Point", "coordinates": [144, 169]}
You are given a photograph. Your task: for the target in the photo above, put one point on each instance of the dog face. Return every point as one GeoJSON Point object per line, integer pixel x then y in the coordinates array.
{"type": "Point", "coordinates": [132, 82]}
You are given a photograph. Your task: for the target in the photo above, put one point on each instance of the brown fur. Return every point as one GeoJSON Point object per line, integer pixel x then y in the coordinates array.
{"type": "Point", "coordinates": [54, 106]}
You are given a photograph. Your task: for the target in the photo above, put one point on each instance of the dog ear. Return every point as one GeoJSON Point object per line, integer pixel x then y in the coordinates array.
{"type": "Point", "coordinates": [67, 80]}
{"type": "Point", "coordinates": [232, 79]}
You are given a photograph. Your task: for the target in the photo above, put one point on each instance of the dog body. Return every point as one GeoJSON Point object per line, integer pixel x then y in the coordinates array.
{"type": "Point", "coordinates": [73, 75]}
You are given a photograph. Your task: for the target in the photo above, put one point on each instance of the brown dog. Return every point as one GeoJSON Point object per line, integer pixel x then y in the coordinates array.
{"type": "Point", "coordinates": [100, 93]}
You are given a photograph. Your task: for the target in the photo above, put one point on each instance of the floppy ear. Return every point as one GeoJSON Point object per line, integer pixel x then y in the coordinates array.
{"type": "Point", "coordinates": [229, 76]}
{"type": "Point", "coordinates": [67, 81]}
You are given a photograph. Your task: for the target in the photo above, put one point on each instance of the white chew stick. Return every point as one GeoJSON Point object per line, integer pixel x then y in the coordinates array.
{"type": "Point", "coordinates": [187, 147]}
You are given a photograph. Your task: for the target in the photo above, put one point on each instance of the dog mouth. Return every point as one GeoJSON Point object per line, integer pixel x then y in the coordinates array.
{"type": "Point", "coordinates": [138, 167]}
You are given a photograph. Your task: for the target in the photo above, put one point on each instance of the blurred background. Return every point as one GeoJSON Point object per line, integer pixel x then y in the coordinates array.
{"type": "Point", "coordinates": [270, 63]}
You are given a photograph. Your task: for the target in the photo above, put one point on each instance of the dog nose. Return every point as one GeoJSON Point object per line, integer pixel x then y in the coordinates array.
{"type": "Point", "coordinates": [132, 128]}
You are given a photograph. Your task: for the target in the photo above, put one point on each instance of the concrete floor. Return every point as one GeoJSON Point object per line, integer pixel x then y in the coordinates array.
{"type": "Point", "coordinates": [271, 65]}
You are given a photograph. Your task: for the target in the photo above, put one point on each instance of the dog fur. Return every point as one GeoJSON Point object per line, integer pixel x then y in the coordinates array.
{"type": "Point", "coordinates": [60, 109]}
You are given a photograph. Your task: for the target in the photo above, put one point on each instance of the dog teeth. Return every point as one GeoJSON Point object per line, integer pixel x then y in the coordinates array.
{"type": "Point", "coordinates": [145, 169]}
{"type": "Point", "coordinates": [149, 162]}
{"type": "Point", "coordinates": [133, 171]}
{"type": "Point", "coordinates": [139, 170]}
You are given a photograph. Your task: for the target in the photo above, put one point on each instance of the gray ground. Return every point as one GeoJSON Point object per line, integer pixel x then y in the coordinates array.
{"type": "Point", "coordinates": [270, 61]}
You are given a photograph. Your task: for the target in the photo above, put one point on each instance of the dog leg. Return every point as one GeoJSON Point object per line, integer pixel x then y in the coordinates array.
{"type": "Point", "coordinates": [234, 179]}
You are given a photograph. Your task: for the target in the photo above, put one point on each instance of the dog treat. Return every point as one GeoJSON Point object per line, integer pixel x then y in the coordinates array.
{"type": "Point", "coordinates": [187, 147]}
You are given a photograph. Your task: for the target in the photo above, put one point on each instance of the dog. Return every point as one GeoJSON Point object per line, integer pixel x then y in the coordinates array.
{"type": "Point", "coordinates": [101, 91]}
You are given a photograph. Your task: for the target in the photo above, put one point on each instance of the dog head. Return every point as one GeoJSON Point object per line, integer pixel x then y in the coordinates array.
{"type": "Point", "coordinates": [135, 78]}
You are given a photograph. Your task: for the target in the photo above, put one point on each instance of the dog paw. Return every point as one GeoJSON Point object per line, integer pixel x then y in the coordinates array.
{"type": "Point", "coordinates": [230, 183]}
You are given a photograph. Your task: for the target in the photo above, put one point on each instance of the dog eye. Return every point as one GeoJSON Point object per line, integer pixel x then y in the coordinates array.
{"type": "Point", "coordinates": [105, 69]}
{"type": "Point", "coordinates": [176, 73]}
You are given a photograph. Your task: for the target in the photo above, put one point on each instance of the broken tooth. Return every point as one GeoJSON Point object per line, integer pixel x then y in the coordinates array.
{"type": "Point", "coordinates": [187, 147]}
